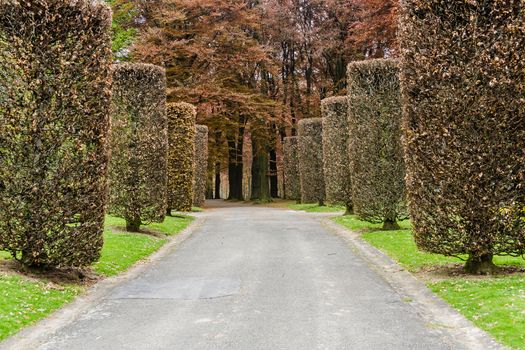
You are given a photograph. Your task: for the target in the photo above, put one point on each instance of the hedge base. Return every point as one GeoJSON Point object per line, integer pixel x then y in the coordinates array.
{"type": "Point", "coordinates": [481, 265]}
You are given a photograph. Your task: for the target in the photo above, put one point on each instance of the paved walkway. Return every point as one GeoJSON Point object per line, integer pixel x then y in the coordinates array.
{"type": "Point", "coordinates": [253, 278]}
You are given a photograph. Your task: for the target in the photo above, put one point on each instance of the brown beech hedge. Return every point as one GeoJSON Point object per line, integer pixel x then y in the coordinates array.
{"type": "Point", "coordinates": [375, 151]}
{"type": "Point", "coordinates": [55, 63]}
{"type": "Point", "coordinates": [335, 151]}
{"type": "Point", "coordinates": [201, 165]}
{"type": "Point", "coordinates": [292, 179]}
{"type": "Point", "coordinates": [311, 160]}
{"type": "Point", "coordinates": [138, 166]}
{"type": "Point", "coordinates": [181, 156]}
{"type": "Point", "coordinates": [463, 79]}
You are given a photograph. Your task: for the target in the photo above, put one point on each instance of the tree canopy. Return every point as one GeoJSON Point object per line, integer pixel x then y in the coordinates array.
{"type": "Point", "coordinates": [253, 67]}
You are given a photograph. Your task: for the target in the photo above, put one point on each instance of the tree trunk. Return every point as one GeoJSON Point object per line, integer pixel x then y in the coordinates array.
{"type": "Point", "coordinates": [235, 166]}
{"type": "Point", "coordinates": [480, 264]}
{"type": "Point", "coordinates": [274, 181]}
{"type": "Point", "coordinates": [235, 181]}
{"type": "Point", "coordinates": [390, 225]}
{"type": "Point", "coordinates": [256, 178]}
{"type": "Point", "coordinates": [210, 190]}
{"type": "Point", "coordinates": [218, 181]}
{"type": "Point", "coordinates": [133, 225]}
{"type": "Point", "coordinates": [349, 209]}
{"type": "Point", "coordinates": [260, 181]}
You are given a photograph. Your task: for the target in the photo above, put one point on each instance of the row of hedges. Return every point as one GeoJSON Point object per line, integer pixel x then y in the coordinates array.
{"type": "Point", "coordinates": [152, 167]}
{"type": "Point", "coordinates": [354, 154]}
{"type": "Point", "coordinates": [462, 118]}
{"type": "Point", "coordinates": [55, 110]}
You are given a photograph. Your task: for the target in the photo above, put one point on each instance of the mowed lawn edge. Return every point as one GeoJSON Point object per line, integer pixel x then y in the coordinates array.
{"type": "Point", "coordinates": [25, 300]}
{"type": "Point", "coordinates": [316, 208]}
{"type": "Point", "coordinates": [495, 304]}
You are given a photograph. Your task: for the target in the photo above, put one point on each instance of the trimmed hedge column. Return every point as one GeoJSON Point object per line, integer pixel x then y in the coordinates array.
{"type": "Point", "coordinates": [311, 160]}
{"type": "Point", "coordinates": [376, 153]}
{"type": "Point", "coordinates": [138, 166]}
{"type": "Point", "coordinates": [181, 156]}
{"type": "Point", "coordinates": [335, 152]}
{"type": "Point", "coordinates": [55, 66]}
{"type": "Point", "coordinates": [464, 125]}
{"type": "Point", "coordinates": [201, 165]}
{"type": "Point", "coordinates": [292, 179]}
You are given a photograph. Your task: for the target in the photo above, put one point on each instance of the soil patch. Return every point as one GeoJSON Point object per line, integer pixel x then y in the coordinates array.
{"type": "Point", "coordinates": [54, 277]}
{"type": "Point", "coordinates": [144, 231]}
{"type": "Point", "coordinates": [434, 273]}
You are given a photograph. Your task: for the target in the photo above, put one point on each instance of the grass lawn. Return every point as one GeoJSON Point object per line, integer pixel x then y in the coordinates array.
{"type": "Point", "coordinates": [24, 300]}
{"type": "Point", "coordinates": [316, 208]}
{"type": "Point", "coordinates": [171, 225]}
{"type": "Point", "coordinates": [121, 249]}
{"type": "Point", "coordinates": [495, 304]}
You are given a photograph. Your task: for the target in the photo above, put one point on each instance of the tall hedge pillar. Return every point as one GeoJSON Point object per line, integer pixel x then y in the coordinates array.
{"type": "Point", "coordinates": [335, 151]}
{"type": "Point", "coordinates": [181, 156]}
{"type": "Point", "coordinates": [311, 161]}
{"type": "Point", "coordinates": [292, 179]}
{"type": "Point", "coordinates": [201, 165]}
{"type": "Point", "coordinates": [55, 64]}
{"type": "Point", "coordinates": [464, 124]}
{"type": "Point", "coordinates": [375, 152]}
{"type": "Point", "coordinates": [138, 166]}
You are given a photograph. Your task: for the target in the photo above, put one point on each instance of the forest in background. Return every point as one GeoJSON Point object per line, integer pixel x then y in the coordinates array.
{"type": "Point", "coordinates": [253, 69]}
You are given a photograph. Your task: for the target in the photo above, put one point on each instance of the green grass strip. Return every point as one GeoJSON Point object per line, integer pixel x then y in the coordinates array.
{"type": "Point", "coordinates": [316, 208]}
{"type": "Point", "coordinates": [122, 250]}
{"type": "Point", "coordinates": [24, 301]}
{"type": "Point", "coordinates": [496, 305]}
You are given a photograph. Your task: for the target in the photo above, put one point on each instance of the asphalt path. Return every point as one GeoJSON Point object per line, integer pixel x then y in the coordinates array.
{"type": "Point", "coordinates": [252, 278]}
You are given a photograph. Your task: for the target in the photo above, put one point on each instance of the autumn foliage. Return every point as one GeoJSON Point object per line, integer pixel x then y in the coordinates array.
{"type": "Point", "coordinates": [376, 27]}
{"type": "Point", "coordinates": [254, 68]}
{"type": "Point", "coordinates": [55, 61]}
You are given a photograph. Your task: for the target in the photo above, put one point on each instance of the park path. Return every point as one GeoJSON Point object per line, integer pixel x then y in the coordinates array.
{"type": "Point", "coordinates": [253, 278]}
